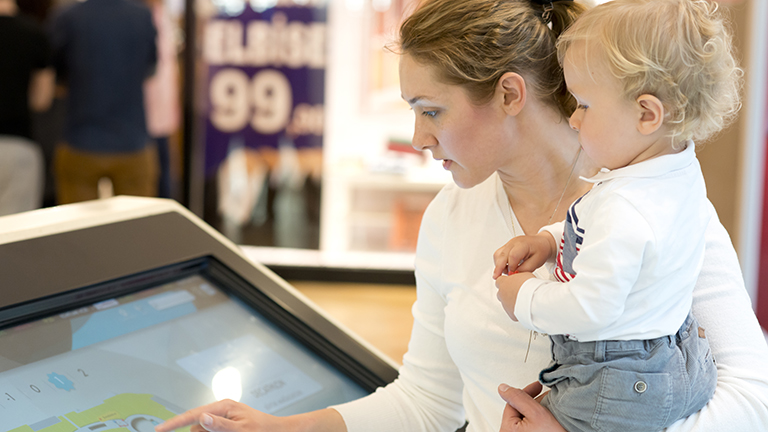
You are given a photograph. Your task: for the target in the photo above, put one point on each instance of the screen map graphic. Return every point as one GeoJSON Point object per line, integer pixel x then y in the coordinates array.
{"type": "Point", "coordinates": [125, 412]}
{"type": "Point", "coordinates": [61, 381]}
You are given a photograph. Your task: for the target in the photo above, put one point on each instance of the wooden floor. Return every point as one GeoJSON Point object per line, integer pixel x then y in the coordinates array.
{"type": "Point", "coordinates": [380, 314]}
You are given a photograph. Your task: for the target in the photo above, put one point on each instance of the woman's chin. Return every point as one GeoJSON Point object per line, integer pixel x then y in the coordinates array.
{"type": "Point", "coordinates": [463, 182]}
{"type": "Point", "coordinates": [466, 179]}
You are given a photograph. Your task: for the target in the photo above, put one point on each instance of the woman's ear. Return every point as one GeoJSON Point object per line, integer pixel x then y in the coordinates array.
{"type": "Point", "coordinates": [512, 87]}
{"type": "Point", "coordinates": [651, 114]}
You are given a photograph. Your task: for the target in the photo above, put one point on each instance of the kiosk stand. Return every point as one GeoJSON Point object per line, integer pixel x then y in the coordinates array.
{"type": "Point", "coordinates": [123, 312]}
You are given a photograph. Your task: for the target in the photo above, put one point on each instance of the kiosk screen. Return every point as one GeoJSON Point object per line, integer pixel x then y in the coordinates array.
{"type": "Point", "coordinates": [131, 361]}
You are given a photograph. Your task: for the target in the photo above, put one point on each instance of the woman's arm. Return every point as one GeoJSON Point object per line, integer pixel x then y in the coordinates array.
{"type": "Point", "coordinates": [723, 309]}
{"type": "Point", "coordinates": [427, 394]}
{"type": "Point", "coordinates": [230, 416]}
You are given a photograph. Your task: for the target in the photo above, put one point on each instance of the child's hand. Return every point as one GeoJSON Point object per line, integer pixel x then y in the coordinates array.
{"type": "Point", "coordinates": [523, 254]}
{"type": "Point", "coordinates": [509, 287]}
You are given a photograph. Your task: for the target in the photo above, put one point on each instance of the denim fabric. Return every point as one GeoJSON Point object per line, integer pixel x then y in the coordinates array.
{"type": "Point", "coordinates": [636, 385]}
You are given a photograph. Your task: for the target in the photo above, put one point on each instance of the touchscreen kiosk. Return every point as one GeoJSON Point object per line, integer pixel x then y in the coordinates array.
{"type": "Point", "coordinates": [118, 314]}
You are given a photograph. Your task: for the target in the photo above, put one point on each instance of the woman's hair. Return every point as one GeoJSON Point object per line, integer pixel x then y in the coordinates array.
{"type": "Point", "coordinates": [677, 50]}
{"type": "Point", "coordinates": [472, 43]}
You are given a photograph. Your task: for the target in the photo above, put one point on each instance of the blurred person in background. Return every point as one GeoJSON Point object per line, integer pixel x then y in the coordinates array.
{"type": "Point", "coordinates": [26, 84]}
{"type": "Point", "coordinates": [36, 9]}
{"type": "Point", "coordinates": [104, 50]}
{"type": "Point", "coordinates": [48, 125]}
{"type": "Point", "coordinates": [161, 95]}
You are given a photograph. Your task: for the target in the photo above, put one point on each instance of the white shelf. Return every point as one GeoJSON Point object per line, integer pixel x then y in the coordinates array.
{"type": "Point", "coordinates": [342, 260]}
{"type": "Point", "coordinates": [368, 206]}
{"type": "Point", "coordinates": [365, 185]}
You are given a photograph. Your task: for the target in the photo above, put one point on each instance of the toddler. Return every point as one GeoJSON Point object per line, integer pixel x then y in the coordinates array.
{"type": "Point", "coordinates": [650, 78]}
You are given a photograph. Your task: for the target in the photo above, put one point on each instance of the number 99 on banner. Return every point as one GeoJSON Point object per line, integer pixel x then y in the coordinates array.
{"type": "Point", "coordinates": [264, 101]}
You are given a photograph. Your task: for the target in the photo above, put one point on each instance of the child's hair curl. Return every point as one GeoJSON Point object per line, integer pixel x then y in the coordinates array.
{"type": "Point", "coordinates": [680, 51]}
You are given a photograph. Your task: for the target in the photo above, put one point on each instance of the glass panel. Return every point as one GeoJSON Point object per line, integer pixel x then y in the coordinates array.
{"type": "Point", "coordinates": [133, 361]}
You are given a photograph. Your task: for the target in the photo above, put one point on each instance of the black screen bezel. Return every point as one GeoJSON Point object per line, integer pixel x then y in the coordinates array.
{"type": "Point", "coordinates": [222, 278]}
{"type": "Point", "coordinates": [52, 273]}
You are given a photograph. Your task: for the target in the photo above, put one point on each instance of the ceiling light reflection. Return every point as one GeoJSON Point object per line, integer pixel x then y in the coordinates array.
{"type": "Point", "coordinates": [227, 384]}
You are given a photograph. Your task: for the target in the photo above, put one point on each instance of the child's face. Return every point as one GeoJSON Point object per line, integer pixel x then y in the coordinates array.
{"type": "Point", "coordinates": [606, 121]}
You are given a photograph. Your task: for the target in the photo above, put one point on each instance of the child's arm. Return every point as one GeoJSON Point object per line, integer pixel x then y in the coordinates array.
{"type": "Point", "coordinates": [509, 287]}
{"type": "Point", "coordinates": [615, 242]}
{"type": "Point", "coordinates": [524, 254]}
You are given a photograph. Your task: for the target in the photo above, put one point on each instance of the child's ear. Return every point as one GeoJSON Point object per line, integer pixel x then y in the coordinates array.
{"type": "Point", "coordinates": [512, 87]}
{"type": "Point", "coordinates": [651, 114]}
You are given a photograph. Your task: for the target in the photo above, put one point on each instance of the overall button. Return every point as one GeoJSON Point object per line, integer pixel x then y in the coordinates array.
{"type": "Point", "coordinates": [641, 386]}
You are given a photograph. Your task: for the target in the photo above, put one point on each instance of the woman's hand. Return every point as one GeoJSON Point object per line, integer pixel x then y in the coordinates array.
{"type": "Point", "coordinates": [523, 413]}
{"type": "Point", "coordinates": [222, 416]}
{"type": "Point", "coordinates": [231, 416]}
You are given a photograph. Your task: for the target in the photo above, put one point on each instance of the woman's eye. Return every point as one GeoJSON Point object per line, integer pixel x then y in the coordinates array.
{"type": "Point", "coordinates": [580, 106]}
{"type": "Point", "coordinates": [429, 113]}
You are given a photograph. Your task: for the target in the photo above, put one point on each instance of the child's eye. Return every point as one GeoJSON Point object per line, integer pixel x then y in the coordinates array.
{"type": "Point", "coordinates": [429, 113]}
{"type": "Point", "coordinates": [581, 106]}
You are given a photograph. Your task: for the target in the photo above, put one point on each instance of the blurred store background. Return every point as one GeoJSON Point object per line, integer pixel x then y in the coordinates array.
{"type": "Point", "coordinates": [293, 141]}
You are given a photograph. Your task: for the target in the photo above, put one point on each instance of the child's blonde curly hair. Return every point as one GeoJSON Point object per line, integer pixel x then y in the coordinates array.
{"type": "Point", "coordinates": [677, 50]}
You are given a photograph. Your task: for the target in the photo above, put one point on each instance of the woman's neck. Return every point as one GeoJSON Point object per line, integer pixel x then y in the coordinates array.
{"type": "Point", "coordinates": [542, 184]}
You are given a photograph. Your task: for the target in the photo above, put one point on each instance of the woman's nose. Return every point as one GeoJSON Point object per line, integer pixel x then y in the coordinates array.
{"type": "Point", "coordinates": [422, 140]}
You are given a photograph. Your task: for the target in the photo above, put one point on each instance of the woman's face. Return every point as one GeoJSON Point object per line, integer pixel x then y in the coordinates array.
{"type": "Point", "coordinates": [468, 139]}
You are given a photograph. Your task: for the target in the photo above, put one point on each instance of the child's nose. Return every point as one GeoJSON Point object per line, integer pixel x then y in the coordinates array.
{"type": "Point", "coordinates": [575, 121]}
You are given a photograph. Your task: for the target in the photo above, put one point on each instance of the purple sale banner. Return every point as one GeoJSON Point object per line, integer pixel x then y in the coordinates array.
{"type": "Point", "coordinates": [266, 79]}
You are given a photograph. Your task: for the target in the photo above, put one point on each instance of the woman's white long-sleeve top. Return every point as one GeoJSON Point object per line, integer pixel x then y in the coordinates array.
{"type": "Point", "coordinates": [463, 344]}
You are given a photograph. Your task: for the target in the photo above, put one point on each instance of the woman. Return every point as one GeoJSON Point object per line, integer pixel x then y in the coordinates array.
{"type": "Point", "coordinates": [490, 103]}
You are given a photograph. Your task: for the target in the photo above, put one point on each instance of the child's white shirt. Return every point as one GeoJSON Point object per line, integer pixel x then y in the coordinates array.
{"type": "Point", "coordinates": [639, 235]}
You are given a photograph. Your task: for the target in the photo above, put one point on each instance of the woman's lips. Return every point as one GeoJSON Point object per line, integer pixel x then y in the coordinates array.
{"type": "Point", "coordinates": [447, 164]}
